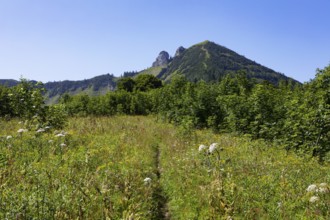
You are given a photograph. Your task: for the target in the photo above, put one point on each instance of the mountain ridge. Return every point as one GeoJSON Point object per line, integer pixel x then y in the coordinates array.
{"type": "Point", "coordinates": [209, 61]}
{"type": "Point", "coordinates": [206, 61]}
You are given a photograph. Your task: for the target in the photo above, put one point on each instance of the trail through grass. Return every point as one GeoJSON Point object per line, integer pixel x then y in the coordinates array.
{"type": "Point", "coordinates": [137, 168]}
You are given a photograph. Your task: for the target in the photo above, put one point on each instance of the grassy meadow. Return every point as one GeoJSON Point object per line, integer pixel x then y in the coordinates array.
{"type": "Point", "coordinates": [136, 167]}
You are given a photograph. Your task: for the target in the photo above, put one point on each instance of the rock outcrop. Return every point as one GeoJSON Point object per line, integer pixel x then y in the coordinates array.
{"type": "Point", "coordinates": [179, 51]}
{"type": "Point", "coordinates": [162, 59]}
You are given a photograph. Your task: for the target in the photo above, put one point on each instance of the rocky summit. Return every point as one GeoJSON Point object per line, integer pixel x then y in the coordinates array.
{"type": "Point", "coordinates": [162, 59]}
{"type": "Point", "coordinates": [179, 51]}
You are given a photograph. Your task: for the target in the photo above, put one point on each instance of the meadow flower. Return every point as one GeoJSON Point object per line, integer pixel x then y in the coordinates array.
{"type": "Point", "coordinates": [213, 147]}
{"type": "Point", "coordinates": [60, 135]}
{"type": "Point", "coordinates": [50, 141]}
{"type": "Point", "coordinates": [202, 147]}
{"type": "Point", "coordinates": [63, 145]}
{"type": "Point", "coordinates": [9, 137]}
{"type": "Point", "coordinates": [21, 130]}
{"type": "Point", "coordinates": [314, 199]}
{"type": "Point", "coordinates": [323, 188]}
{"type": "Point", "coordinates": [40, 130]}
{"type": "Point", "coordinates": [311, 188]}
{"type": "Point", "coordinates": [147, 180]}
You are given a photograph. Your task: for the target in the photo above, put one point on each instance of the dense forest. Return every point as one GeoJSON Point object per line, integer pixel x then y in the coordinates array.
{"type": "Point", "coordinates": [294, 115]}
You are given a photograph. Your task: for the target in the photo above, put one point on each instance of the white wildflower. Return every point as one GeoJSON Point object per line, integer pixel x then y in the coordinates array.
{"type": "Point", "coordinates": [50, 141]}
{"type": "Point", "coordinates": [60, 135]}
{"type": "Point", "coordinates": [147, 180]}
{"type": "Point", "coordinates": [47, 127]}
{"type": "Point", "coordinates": [40, 130]}
{"type": "Point", "coordinates": [21, 130]}
{"type": "Point", "coordinates": [311, 188]}
{"type": "Point", "coordinates": [9, 137]}
{"type": "Point", "coordinates": [202, 147]}
{"type": "Point", "coordinates": [314, 199]}
{"type": "Point", "coordinates": [63, 145]}
{"type": "Point", "coordinates": [213, 147]}
{"type": "Point", "coordinates": [323, 188]}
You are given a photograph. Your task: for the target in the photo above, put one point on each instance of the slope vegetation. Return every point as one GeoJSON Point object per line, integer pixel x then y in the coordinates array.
{"type": "Point", "coordinates": [210, 62]}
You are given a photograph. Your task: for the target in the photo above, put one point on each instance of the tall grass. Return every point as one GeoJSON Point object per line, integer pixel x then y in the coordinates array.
{"type": "Point", "coordinates": [98, 168]}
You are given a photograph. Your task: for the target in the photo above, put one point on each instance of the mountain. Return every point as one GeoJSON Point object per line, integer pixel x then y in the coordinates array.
{"type": "Point", "coordinates": [94, 86]}
{"type": "Point", "coordinates": [8, 82]}
{"type": "Point", "coordinates": [204, 61]}
{"type": "Point", "coordinates": [210, 62]}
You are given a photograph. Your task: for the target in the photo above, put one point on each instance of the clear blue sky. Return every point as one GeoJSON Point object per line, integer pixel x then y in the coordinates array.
{"type": "Point", "coordinates": [52, 40]}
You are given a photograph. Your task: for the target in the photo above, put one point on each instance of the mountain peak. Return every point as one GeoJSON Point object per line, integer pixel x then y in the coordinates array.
{"type": "Point", "coordinates": [210, 62]}
{"type": "Point", "coordinates": [205, 42]}
{"type": "Point", "coordinates": [179, 51]}
{"type": "Point", "coordinates": [162, 59]}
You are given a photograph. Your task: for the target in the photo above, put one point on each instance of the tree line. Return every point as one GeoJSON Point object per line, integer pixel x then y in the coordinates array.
{"type": "Point", "coordinates": [295, 116]}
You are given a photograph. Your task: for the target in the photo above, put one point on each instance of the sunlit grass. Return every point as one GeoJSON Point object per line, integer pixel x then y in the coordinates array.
{"type": "Point", "coordinates": [134, 167]}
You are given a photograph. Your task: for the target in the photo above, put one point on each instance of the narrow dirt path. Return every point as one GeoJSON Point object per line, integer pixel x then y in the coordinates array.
{"type": "Point", "coordinates": [159, 195]}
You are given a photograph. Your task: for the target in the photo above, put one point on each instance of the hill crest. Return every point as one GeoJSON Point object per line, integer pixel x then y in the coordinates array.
{"type": "Point", "coordinates": [206, 61]}
{"type": "Point", "coordinates": [209, 61]}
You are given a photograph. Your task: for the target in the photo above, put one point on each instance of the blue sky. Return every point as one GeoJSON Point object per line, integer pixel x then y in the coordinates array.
{"type": "Point", "coordinates": [52, 40]}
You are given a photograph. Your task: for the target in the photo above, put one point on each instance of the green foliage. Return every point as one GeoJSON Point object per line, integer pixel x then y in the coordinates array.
{"type": "Point", "coordinates": [291, 114]}
{"type": "Point", "coordinates": [118, 102]}
{"type": "Point", "coordinates": [126, 84]}
{"type": "Point", "coordinates": [26, 99]}
{"type": "Point", "coordinates": [26, 102]}
{"type": "Point", "coordinates": [146, 82]}
{"type": "Point", "coordinates": [56, 116]}
{"type": "Point", "coordinates": [5, 108]}
{"type": "Point", "coordinates": [308, 122]}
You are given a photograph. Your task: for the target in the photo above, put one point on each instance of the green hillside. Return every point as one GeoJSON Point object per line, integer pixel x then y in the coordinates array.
{"type": "Point", "coordinates": [210, 62]}
{"type": "Point", "coordinates": [98, 85]}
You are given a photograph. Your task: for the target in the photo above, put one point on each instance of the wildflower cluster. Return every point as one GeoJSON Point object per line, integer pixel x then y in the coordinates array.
{"type": "Point", "coordinates": [213, 147]}
{"type": "Point", "coordinates": [317, 190]}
